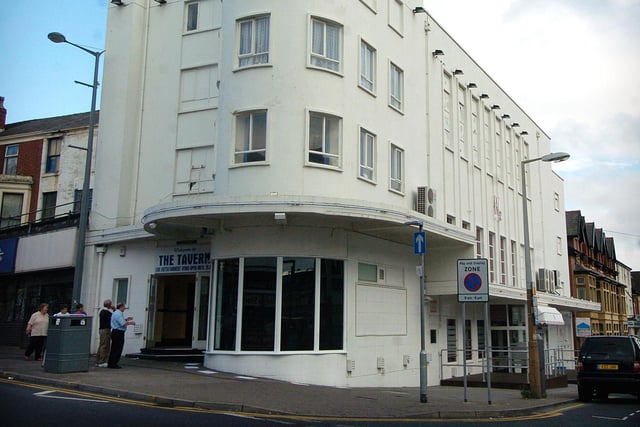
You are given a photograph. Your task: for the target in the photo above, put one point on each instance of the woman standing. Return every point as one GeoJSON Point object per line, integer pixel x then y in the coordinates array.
{"type": "Point", "coordinates": [37, 328]}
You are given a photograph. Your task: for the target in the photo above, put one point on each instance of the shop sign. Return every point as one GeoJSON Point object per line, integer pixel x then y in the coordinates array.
{"type": "Point", "coordinates": [183, 260]}
{"type": "Point", "coordinates": [583, 327]}
{"type": "Point", "coordinates": [8, 255]}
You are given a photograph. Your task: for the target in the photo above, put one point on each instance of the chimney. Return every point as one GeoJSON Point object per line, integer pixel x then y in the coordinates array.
{"type": "Point", "coordinates": [3, 114]}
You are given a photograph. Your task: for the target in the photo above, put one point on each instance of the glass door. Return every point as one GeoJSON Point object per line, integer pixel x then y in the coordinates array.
{"type": "Point", "coordinates": [201, 310]}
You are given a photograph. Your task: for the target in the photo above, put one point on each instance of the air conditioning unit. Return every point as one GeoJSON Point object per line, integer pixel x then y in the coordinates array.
{"type": "Point", "coordinates": [426, 201]}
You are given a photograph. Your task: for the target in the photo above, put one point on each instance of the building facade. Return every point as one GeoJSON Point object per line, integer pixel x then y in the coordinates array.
{"type": "Point", "coordinates": [259, 162]}
{"type": "Point", "coordinates": [596, 276]}
{"type": "Point", "coordinates": [40, 192]}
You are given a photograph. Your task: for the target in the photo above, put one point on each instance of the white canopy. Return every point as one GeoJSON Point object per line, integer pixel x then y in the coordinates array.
{"type": "Point", "coordinates": [549, 316]}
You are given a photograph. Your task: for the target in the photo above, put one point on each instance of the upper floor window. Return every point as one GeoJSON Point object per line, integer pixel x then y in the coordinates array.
{"type": "Point", "coordinates": [11, 159]}
{"type": "Point", "coordinates": [396, 87]}
{"type": "Point", "coordinates": [253, 48]}
{"type": "Point", "coordinates": [396, 175]}
{"type": "Point", "coordinates": [11, 210]}
{"type": "Point", "coordinates": [326, 41]}
{"type": "Point", "coordinates": [251, 137]}
{"type": "Point", "coordinates": [396, 15]}
{"type": "Point", "coordinates": [192, 16]}
{"type": "Point", "coordinates": [325, 139]}
{"type": "Point", "coordinates": [367, 155]}
{"type": "Point", "coordinates": [49, 201]}
{"type": "Point", "coordinates": [367, 66]}
{"type": "Point", "coordinates": [53, 155]}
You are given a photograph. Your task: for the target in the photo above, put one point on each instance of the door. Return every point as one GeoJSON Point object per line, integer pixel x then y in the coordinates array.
{"type": "Point", "coordinates": [174, 310]}
{"type": "Point", "coordinates": [151, 313]}
{"type": "Point", "coordinates": [201, 311]}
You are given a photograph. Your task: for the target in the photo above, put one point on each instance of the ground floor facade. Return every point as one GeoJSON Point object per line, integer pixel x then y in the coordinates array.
{"type": "Point", "coordinates": [328, 304]}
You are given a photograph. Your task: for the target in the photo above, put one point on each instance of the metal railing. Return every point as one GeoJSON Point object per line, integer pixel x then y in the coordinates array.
{"type": "Point", "coordinates": [556, 361]}
{"type": "Point", "coordinates": [49, 223]}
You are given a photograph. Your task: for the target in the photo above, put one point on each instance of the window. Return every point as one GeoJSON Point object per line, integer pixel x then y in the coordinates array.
{"type": "Point", "coordinates": [462, 122]}
{"type": "Point", "coordinates": [397, 169]}
{"type": "Point", "coordinates": [77, 200]}
{"type": "Point", "coordinates": [514, 265]}
{"type": "Point", "coordinates": [475, 137]}
{"type": "Point", "coordinates": [367, 155]}
{"type": "Point", "coordinates": [324, 139]}
{"type": "Point", "coordinates": [367, 272]}
{"type": "Point", "coordinates": [481, 340]}
{"type": "Point", "coordinates": [367, 66]}
{"type": "Point", "coordinates": [396, 87]}
{"type": "Point", "coordinates": [261, 294]}
{"type": "Point", "coordinates": [49, 205]}
{"type": "Point", "coordinates": [11, 211]}
{"type": "Point", "coordinates": [479, 234]}
{"type": "Point", "coordinates": [492, 257]}
{"type": "Point", "coordinates": [11, 159]}
{"type": "Point", "coordinates": [486, 139]}
{"type": "Point", "coordinates": [503, 260]}
{"type": "Point", "coordinates": [556, 202]}
{"type": "Point", "coordinates": [251, 137]}
{"type": "Point", "coordinates": [192, 16]}
{"type": "Point", "coordinates": [451, 340]}
{"type": "Point", "coordinates": [559, 245]}
{"type": "Point", "coordinates": [468, 354]}
{"type": "Point", "coordinates": [121, 290]}
{"type": "Point", "coordinates": [325, 44]}
{"type": "Point", "coordinates": [253, 48]}
{"type": "Point", "coordinates": [396, 15]}
{"type": "Point", "coordinates": [451, 219]}
{"type": "Point", "coordinates": [53, 155]}
{"type": "Point", "coordinates": [446, 110]}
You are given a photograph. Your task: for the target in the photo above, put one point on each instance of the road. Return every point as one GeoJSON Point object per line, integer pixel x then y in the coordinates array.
{"type": "Point", "coordinates": [33, 405]}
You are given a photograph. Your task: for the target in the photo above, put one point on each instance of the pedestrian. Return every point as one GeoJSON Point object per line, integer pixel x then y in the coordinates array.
{"type": "Point", "coordinates": [80, 310]}
{"type": "Point", "coordinates": [37, 329]}
{"type": "Point", "coordinates": [104, 330]}
{"type": "Point", "coordinates": [118, 327]}
{"type": "Point", "coordinates": [64, 311]}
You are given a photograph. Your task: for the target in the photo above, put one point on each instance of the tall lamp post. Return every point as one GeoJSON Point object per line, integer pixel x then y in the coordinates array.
{"type": "Point", "coordinates": [84, 202]}
{"type": "Point", "coordinates": [535, 380]}
{"type": "Point", "coordinates": [423, 352]}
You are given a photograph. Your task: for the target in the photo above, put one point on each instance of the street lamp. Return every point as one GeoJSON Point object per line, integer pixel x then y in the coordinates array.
{"type": "Point", "coordinates": [535, 380]}
{"type": "Point", "coordinates": [423, 352]}
{"type": "Point", "coordinates": [84, 201]}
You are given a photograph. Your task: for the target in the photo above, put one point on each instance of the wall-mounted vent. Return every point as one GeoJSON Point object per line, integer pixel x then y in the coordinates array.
{"type": "Point", "coordinates": [426, 201]}
{"type": "Point", "coordinates": [351, 365]}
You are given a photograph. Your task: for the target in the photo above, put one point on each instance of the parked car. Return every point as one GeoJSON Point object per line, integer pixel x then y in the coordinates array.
{"type": "Point", "coordinates": [609, 364]}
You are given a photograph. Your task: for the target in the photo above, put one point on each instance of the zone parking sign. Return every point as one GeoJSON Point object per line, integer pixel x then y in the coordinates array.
{"type": "Point", "coordinates": [473, 281]}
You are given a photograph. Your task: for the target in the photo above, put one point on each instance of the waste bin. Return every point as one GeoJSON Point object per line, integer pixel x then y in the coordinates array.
{"type": "Point", "coordinates": [68, 344]}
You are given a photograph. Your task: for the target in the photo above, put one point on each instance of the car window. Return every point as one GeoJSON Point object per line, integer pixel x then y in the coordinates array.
{"type": "Point", "coordinates": [604, 348]}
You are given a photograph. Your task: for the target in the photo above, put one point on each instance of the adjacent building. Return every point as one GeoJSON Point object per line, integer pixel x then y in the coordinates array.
{"type": "Point", "coordinates": [258, 163]}
{"type": "Point", "coordinates": [42, 166]}
{"type": "Point", "coordinates": [596, 275]}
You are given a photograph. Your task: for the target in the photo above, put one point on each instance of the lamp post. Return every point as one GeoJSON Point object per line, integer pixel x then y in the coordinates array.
{"type": "Point", "coordinates": [423, 352]}
{"type": "Point", "coordinates": [535, 380]}
{"type": "Point", "coordinates": [84, 202]}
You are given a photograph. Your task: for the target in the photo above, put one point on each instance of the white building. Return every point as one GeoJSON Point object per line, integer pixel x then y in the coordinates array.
{"type": "Point", "coordinates": [258, 161]}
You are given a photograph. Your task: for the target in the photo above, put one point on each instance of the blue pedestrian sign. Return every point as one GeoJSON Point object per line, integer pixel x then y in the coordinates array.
{"type": "Point", "coordinates": [419, 242]}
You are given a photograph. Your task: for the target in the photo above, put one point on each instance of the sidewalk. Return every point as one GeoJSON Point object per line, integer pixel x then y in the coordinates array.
{"type": "Point", "coordinates": [179, 384]}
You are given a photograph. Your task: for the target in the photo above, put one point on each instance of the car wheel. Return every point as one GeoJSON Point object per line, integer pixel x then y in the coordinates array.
{"type": "Point", "coordinates": [585, 394]}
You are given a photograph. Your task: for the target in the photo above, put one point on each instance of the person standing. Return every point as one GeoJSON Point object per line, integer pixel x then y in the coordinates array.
{"type": "Point", "coordinates": [118, 327]}
{"type": "Point", "coordinates": [80, 310]}
{"type": "Point", "coordinates": [104, 329]}
{"type": "Point", "coordinates": [37, 329]}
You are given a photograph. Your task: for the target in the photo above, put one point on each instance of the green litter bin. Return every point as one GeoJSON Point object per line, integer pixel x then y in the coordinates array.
{"type": "Point", "coordinates": [68, 344]}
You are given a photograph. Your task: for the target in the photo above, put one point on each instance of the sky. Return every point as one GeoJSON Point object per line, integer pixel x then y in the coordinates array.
{"type": "Point", "coordinates": [572, 65]}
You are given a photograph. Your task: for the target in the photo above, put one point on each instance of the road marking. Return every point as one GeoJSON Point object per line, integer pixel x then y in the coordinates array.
{"type": "Point", "coordinates": [46, 394]}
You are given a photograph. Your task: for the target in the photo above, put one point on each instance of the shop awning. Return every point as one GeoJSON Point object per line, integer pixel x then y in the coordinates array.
{"type": "Point", "coordinates": [549, 316]}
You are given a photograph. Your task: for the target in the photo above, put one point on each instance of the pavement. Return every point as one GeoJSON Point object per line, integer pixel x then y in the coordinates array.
{"type": "Point", "coordinates": [178, 384]}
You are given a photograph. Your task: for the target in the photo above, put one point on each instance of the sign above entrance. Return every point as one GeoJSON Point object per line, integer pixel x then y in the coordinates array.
{"type": "Point", "coordinates": [473, 281]}
{"type": "Point", "coordinates": [183, 259]}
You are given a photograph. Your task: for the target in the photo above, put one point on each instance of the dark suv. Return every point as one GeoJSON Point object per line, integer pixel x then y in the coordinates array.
{"type": "Point", "coordinates": [609, 364]}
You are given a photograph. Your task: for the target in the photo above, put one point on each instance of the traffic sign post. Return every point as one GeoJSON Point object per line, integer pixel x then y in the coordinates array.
{"type": "Point", "coordinates": [473, 281]}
